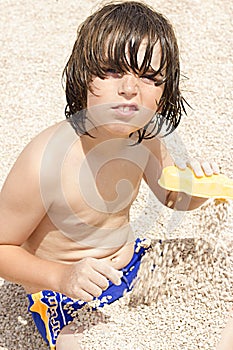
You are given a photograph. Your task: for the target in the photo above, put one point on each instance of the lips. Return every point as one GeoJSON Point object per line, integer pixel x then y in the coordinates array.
{"type": "Point", "coordinates": [126, 109]}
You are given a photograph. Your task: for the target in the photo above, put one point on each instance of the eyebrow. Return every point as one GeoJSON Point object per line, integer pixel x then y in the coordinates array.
{"type": "Point", "coordinates": [152, 71]}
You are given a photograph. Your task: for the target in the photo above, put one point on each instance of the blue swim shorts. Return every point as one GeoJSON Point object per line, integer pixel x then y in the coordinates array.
{"type": "Point", "coordinates": [51, 311]}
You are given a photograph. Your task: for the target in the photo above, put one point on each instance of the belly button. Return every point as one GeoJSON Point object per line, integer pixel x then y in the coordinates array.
{"type": "Point", "coordinates": [115, 259]}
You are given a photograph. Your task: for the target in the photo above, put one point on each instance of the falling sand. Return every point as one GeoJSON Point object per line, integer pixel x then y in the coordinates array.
{"type": "Point", "coordinates": [195, 271]}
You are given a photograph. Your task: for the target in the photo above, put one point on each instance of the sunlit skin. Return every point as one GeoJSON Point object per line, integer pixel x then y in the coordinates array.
{"type": "Point", "coordinates": [123, 103]}
{"type": "Point", "coordinates": [226, 341]}
{"type": "Point", "coordinates": [119, 106]}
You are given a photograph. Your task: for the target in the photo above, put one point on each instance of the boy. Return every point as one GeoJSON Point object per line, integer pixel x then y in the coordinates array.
{"type": "Point", "coordinates": [65, 232]}
{"type": "Point", "coordinates": [226, 341]}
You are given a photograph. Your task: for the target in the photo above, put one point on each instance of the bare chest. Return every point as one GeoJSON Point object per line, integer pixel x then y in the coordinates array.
{"type": "Point", "coordinates": [88, 200]}
{"type": "Point", "coordinates": [97, 186]}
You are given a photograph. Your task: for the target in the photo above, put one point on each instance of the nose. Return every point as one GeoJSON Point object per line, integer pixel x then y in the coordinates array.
{"type": "Point", "coordinates": [128, 86]}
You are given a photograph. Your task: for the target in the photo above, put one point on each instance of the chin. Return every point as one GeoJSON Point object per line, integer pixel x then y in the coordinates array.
{"type": "Point", "coordinates": [122, 130]}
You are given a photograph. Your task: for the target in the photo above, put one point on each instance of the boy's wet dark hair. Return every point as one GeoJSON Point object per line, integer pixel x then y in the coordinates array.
{"type": "Point", "coordinates": [103, 41]}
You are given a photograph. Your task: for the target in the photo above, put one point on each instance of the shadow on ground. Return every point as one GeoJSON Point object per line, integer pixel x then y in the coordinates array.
{"type": "Point", "coordinates": [17, 330]}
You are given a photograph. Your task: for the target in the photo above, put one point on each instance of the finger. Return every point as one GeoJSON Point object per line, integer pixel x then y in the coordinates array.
{"type": "Point", "coordinates": [92, 289]}
{"type": "Point", "coordinates": [180, 164]}
{"type": "Point", "coordinates": [215, 168]}
{"type": "Point", "coordinates": [109, 272]}
{"type": "Point", "coordinates": [99, 280]}
{"type": "Point", "coordinates": [207, 168]}
{"type": "Point", "coordinates": [114, 275]}
{"type": "Point", "coordinates": [83, 295]}
{"type": "Point", "coordinates": [195, 165]}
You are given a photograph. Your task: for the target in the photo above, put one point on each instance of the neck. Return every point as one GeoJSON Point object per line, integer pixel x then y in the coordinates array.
{"type": "Point", "coordinates": [104, 142]}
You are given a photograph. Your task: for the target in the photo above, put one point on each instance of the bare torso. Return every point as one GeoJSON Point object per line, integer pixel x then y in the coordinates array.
{"type": "Point", "coordinates": [88, 195]}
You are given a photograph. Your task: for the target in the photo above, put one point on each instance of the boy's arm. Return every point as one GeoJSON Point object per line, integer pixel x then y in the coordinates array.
{"type": "Point", "coordinates": [160, 158]}
{"type": "Point", "coordinates": [21, 210]}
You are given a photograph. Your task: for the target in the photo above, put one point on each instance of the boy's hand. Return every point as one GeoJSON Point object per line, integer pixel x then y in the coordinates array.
{"type": "Point", "coordinates": [88, 278]}
{"type": "Point", "coordinates": [200, 168]}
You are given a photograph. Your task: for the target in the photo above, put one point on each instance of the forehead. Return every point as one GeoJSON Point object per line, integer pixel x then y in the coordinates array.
{"type": "Point", "coordinates": [155, 62]}
{"type": "Point", "coordinates": [127, 42]}
{"type": "Point", "coordinates": [134, 55]}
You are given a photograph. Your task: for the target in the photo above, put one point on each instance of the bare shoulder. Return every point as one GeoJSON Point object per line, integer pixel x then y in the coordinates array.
{"type": "Point", "coordinates": [36, 147]}
{"type": "Point", "coordinates": [158, 152]}
{"type": "Point", "coordinates": [48, 141]}
{"type": "Point", "coordinates": [21, 205]}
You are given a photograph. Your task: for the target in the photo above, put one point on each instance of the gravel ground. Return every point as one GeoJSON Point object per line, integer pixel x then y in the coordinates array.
{"type": "Point", "coordinates": [36, 38]}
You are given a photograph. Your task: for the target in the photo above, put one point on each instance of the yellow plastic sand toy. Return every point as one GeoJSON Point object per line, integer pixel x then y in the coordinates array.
{"type": "Point", "coordinates": [215, 186]}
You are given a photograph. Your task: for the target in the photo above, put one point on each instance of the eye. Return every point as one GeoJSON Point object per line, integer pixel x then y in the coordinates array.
{"type": "Point", "coordinates": [159, 81]}
{"type": "Point", "coordinates": [152, 79]}
{"type": "Point", "coordinates": [113, 73]}
{"type": "Point", "coordinates": [148, 79]}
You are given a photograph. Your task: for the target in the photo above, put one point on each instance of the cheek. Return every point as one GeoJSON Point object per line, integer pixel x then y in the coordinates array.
{"type": "Point", "coordinates": [101, 94]}
{"type": "Point", "coordinates": [152, 98]}
{"type": "Point", "coordinates": [91, 100]}
{"type": "Point", "coordinates": [94, 95]}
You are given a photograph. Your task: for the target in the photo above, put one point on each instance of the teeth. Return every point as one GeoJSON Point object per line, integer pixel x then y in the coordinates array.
{"type": "Point", "coordinates": [126, 109]}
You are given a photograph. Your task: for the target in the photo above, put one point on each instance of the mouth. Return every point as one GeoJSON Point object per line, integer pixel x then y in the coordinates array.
{"type": "Point", "coordinates": [126, 109]}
